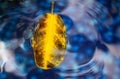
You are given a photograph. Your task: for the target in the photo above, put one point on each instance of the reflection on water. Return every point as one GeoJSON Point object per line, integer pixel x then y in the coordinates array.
{"type": "Point", "coordinates": [93, 39]}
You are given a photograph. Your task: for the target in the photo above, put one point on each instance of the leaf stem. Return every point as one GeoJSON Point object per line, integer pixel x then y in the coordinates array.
{"type": "Point", "coordinates": [52, 8]}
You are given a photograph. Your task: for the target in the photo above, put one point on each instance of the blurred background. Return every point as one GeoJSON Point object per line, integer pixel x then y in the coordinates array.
{"type": "Point", "coordinates": [93, 39]}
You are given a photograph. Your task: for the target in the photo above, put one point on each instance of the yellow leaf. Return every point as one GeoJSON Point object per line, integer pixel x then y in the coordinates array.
{"type": "Point", "coordinates": [49, 41]}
